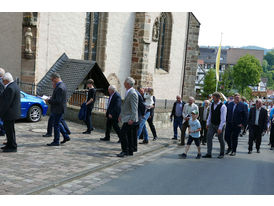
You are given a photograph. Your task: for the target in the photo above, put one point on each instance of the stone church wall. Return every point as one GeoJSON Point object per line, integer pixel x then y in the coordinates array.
{"type": "Point", "coordinates": [10, 42]}
{"type": "Point", "coordinates": [58, 33]}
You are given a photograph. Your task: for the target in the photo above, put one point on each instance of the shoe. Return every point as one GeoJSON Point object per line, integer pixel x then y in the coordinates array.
{"type": "Point", "coordinates": [228, 151]}
{"type": "Point", "coordinates": [221, 156]}
{"type": "Point", "coordinates": [198, 156]}
{"type": "Point", "coordinates": [258, 151]}
{"type": "Point", "coordinates": [182, 156]}
{"type": "Point", "coordinates": [122, 154]}
{"type": "Point", "coordinates": [249, 152]}
{"type": "Point", "coordinates": [271, 148]}
{"type": "Point", "coordinates": [68, 133]}
{"type": "Point", "coordinates": [175, 138]}
{"type": "Point", "coordinates": [65, 140]}
{"type": "Point", "coordinates": [47, 135]}
{"type": "Point", "coordinates": [53, 144]}
{"type": "Point", "coordinates": [130, 154]}
{"type": "Point", "coordinates": [232, 153]}
{"type": "Point", "coordinates": [241, 135]}
{"type": "Point", "coordinates": [207, 156]}
{"type": "Point", "coordinates": [4, 147]}
{"type": "Point", "coordinates": [86, 132]}
{"type": "Point", "coordinates": [104, 139]}
{"type": "Point", "coordinates": [10, 150]}
{"type": "Point", "coordinates": [92, 129]}
{"type": "Point", "coordinates": [155, 138]}
{"type": "Point", "coordinates": [144, 142]}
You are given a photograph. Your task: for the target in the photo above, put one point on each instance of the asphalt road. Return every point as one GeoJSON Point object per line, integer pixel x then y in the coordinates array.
{"type": "Point", "coordinates": [244, 174]}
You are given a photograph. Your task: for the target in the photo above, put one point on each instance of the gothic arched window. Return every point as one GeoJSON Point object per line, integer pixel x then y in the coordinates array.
{"type": "Point", "coordinates": [164, 42]}
{"type": "Point", "coordinates": [95, 37]}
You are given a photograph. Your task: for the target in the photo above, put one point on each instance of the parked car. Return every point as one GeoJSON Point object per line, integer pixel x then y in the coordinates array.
{"type": "Point", "coordinates": [32, 107]}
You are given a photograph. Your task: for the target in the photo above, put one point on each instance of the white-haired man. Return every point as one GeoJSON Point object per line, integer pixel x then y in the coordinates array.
{"type": "Point", "coordinates": [10, 110]}
{"type": "Point", "coordinates": [188, 108]}
{"type": "Point", "coordinates": [129, 117]}
{"type": "Point", "coordinates": [113, 113]}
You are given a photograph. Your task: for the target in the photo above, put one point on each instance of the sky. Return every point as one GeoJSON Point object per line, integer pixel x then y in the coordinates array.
{"type": "Point", "coordinates": [242, 22]}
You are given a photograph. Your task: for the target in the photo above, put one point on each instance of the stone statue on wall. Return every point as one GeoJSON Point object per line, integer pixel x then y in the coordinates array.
{"type": "Point", "coordinates": [155, 31]}
{"type": "Point", "coordinates": [28, 37]}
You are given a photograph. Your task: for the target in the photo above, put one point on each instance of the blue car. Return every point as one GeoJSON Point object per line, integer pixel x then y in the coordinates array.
{"type": "Point", "coordinates": [32, 107]}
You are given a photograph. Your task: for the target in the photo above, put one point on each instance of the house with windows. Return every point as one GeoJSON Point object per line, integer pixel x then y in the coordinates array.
{"type": "Point", "coordinates": [158, 49]}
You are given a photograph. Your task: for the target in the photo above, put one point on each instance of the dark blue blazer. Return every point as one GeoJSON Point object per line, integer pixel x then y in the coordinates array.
{"type": "Point", "coordinates": [10, 103]}
{"type": "Point", "coordinates": [141, 105]}
{"type": "Point", "coordinates": [58, 101]}
{"type": "Point", "coordinates": [114, 107]}
{"type": "Point", "coordinates": [240, 114]}
{"type": "Point", "coordinates": [2, 87]}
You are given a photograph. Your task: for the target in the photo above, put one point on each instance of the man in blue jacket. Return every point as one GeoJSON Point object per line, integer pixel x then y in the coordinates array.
{"type": "Point", "coordinates": [113, 113]}
{"type": "Point", "coordinates": [236, 119]}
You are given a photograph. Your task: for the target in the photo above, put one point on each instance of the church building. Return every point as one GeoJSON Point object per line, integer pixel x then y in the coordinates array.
{"type": "Point", "coordinates": [157, 49]}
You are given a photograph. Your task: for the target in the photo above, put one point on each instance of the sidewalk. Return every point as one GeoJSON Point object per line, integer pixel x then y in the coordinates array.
{"type": "Point", "coordinates": [36, 167]}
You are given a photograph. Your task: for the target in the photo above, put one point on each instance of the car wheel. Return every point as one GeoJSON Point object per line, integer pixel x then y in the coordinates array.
{"type": "Point", "coordinates": [34, 113]}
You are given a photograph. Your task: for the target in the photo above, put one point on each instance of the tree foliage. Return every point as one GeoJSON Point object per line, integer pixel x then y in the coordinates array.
{"type": "Point", "coordinates": [226, 85]}
{"type": "Point", "coordinates": [247, 72]}
{"type": "Point", "coordinates": [268, 69]}
{"type": "Point", "coordinates": [209, 83]}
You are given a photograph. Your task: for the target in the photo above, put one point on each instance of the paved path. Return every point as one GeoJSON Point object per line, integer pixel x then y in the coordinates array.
{"type": "Point", "coordinates": [244, 174]}
{"type": "Point", "coordinates": [86, 165]}
{"type": "Point", "coordinates": [36, 167]}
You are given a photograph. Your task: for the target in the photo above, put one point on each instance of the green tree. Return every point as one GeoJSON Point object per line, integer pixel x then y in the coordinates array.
{"type": "Point", "coordinates": [226, 85]}
{"type": "Point", "coordinates": [209, 83]}
{"type": "Point", "coordinates": [247, 72]}
{"type": "Point", "coordinates": [265, 66]}
{"type": "Point", "coordinates": [269, 57]}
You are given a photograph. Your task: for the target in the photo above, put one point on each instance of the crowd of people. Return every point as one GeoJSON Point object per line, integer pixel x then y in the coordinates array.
{"type": "Point", "coordinates": [226, 120]}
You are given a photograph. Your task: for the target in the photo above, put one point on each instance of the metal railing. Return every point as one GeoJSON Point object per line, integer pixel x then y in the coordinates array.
{"type": "Point", "coordinates": [77, 98]}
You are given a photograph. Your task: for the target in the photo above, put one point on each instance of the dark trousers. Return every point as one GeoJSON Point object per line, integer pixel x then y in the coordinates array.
{"type": "Point", "coordinates": [151, 125]}
{"type": "Point", "coordinates": [134, 131]}
{"type": "Point", "coordinates": [112, 123]}
{"type": "Point", "coordinates": [203, 131]}
{"type": "Point", "coordinates": [10, 133]}
{"type": "Point", "coordinates": [88, 119]}
{"type": "Point", "coordinates": [58, 127]}
{"type": "Point", "coordinates": [2, 131]}
{"type": "Point", "coordinates": [178, 121]}
{"type": "Point", "coordinates": [127, 138]}
{"type": "Point", "coordinates": [183, 134]}
{"type": "Point", "coordinates": [272, 135]}
{"type": "Point", "coordinates": [232, 132]}
{"type": "Point", "coordinates": [255, 134]}
{"type": "Point", "coordinates": [50, 125]}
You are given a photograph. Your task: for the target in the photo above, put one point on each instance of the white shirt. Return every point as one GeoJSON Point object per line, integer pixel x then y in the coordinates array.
{"type": "Point", "coordinates": [223, 115]}
{"type": "Point", "coordinates": [257, 116]}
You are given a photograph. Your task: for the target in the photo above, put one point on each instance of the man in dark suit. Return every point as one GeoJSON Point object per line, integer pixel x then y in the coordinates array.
{"type": "Point", "coordinates": [10, 110]}
{"type": "Point", "coordinates": [58, 103]}
{"type": "Point", "coordinates": [113, 113]}
{"type": "Point", "coordinates": [2, 87]}
{"type": "Point", "coordinates": [257, 123]}
{"type": "Point", "coordinates": [236, 119]}
{"type": "Point", "coordinates": [203, 115]}
{"type": "Point", "coordinates": [177, 113]}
